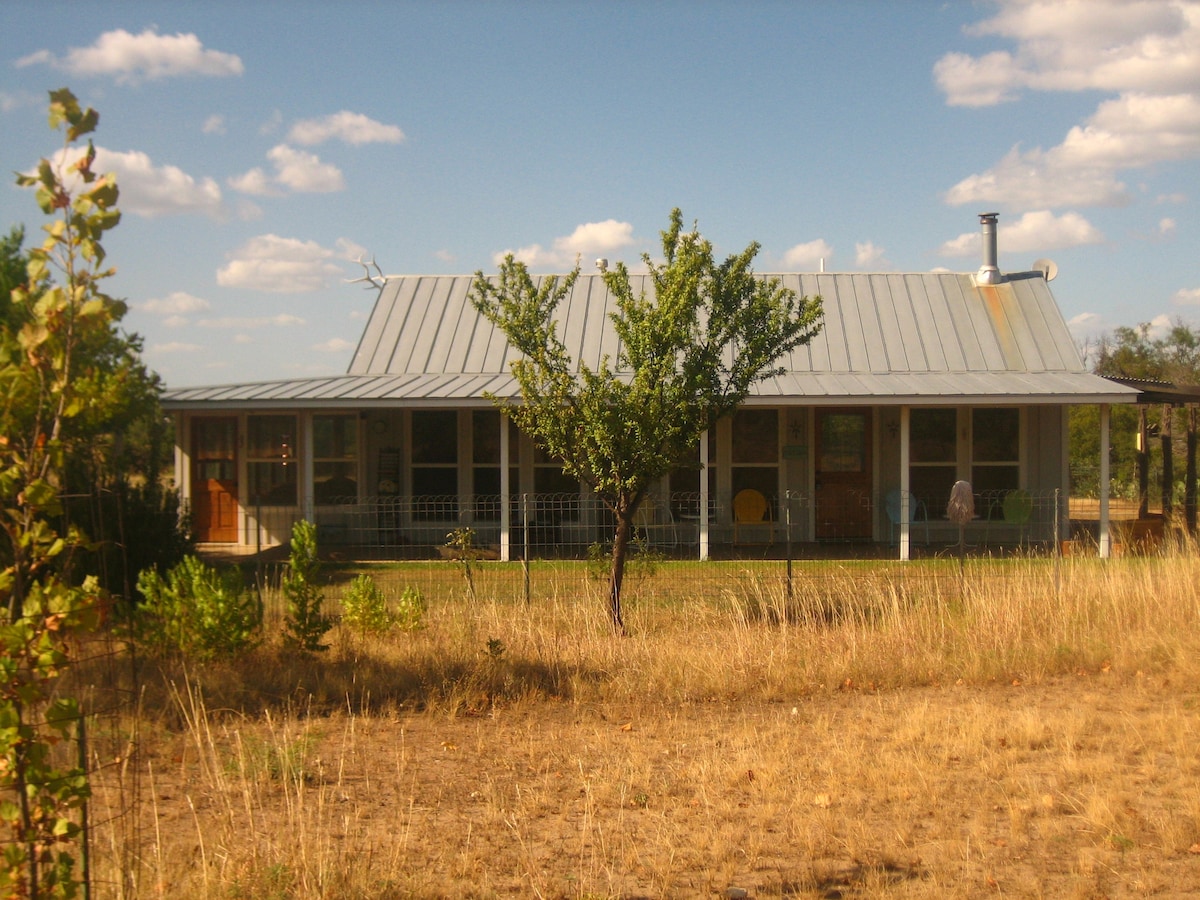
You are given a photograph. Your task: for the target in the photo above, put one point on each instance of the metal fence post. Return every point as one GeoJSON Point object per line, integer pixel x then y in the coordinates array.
{"type": "Point", "coordinates": [525, 542]}
{"type": "Point", "coordinates": [1057, 542]}
{"type": "Point", "coordinates": [787, 518]}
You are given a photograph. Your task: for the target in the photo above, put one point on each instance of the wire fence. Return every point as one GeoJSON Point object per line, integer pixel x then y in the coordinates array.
{"type": "Point", "coordinates": [746, 524]}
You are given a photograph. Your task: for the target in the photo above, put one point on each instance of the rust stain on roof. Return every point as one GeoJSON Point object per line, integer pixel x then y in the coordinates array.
{"type": "Point", "coordinates": [996, 300]}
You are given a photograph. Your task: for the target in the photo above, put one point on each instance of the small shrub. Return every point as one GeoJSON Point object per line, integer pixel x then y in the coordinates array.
{"type": "Point", "coordinates": [305, 624]}
{"type": "Point", "coordinates": [410, 610]}
{"type": "Point", "coordinates": [196, 611]}
{"type": "Point", "coordinates": [364, 606]}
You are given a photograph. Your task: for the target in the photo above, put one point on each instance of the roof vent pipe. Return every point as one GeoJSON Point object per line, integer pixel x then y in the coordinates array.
{"type": "Point", "coordinates": [988, 272]}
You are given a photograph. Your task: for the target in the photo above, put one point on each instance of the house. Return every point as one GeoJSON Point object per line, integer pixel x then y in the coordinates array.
{"type": "Point", "coordinates": [915, 381]}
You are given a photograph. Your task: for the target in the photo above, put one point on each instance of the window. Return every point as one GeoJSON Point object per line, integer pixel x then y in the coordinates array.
{"type": "Point", "coordinates": [933, 457]}
{"type": "Point", "coordinates": [995, 450]}
{"type": "Point", "coordinates": [549, 477]}
{"type": "Point", "coordinates": [271, 459]}
{"type": "Point", "coordinates": [485, 459]}
{"type": "Point", "coordinates": [685, 480]}
{"type": "Point", "coordinates": [335, 459]}
{"type": "Point", "coordinates": [993, 457]}
{"type": "Point", "coordinates": [435, 464]}
{"type": "Point", "coordinates": [755, 452]}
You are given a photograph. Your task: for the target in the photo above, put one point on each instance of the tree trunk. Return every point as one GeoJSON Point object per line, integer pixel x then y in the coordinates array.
{"type": "Point", "coordinates": [617, 575]}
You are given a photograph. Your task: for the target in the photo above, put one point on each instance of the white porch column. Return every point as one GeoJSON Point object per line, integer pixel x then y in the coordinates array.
{"type": "Point", "coordinates": [505, 515]}
{"type": "Point", "coordinates": [905, 500]}
{"type": "Point", "coordinates": [1105, 536]}
{"type": "Point", "coordinates": [183, 458]}
{"type": "Point", "coordinates": [704, 494]}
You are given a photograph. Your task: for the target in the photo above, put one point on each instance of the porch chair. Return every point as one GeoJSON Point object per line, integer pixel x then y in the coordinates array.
{"type": "Point", "coordinates": [1018, 510]}
{"type": "Point", "coordinates": [917, 512]}
{"type": "Point", "coordinates": [750, 509]}
{"type": "Point", "coordinates": [653, 522]}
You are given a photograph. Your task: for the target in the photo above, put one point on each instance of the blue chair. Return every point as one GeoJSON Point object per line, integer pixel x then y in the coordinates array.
{"type": "Point", "coordinates": [917, 512]}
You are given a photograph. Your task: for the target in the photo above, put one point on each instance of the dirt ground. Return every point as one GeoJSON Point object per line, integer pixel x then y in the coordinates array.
{"type": "Point", "coordinates": [1077, 787]}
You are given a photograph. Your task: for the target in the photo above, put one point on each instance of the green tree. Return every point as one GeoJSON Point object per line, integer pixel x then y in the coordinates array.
{"type": "Point", "coordinates": [57, 309]}
{"type": "Point", "coordinates": [689, 354]}
{"type": "Point", "coordinates": [1133, 352]}
{"type": "Point", "coordinates": [305, 624]}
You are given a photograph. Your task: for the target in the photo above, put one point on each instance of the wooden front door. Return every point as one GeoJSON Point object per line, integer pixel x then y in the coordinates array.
{"type": "Point", "coordinates": [214, 480]}
{"type": "Point", "coordinates": [843, 474]}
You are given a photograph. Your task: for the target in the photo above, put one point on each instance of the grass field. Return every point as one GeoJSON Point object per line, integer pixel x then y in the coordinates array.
{"type": "Point", "coordinates": [1015, 728]}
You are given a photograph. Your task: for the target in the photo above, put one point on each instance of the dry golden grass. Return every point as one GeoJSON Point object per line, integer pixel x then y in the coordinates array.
{"type": "Point", "coordinates": [895, 731]}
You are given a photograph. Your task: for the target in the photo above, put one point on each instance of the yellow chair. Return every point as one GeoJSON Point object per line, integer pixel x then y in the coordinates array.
{"type": "Point", "coordinates": [750, 508]}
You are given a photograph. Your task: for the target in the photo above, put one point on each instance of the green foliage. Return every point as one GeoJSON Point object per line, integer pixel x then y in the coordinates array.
{"type": "Point", "coordinates": [305, 624]}
{"type": "Point", "coordinates": [410, 610]}
{"type": "Point", "coordinates": [53, 316]}
{"type": "Point", "coordinates": [364, 606]}
{"type": "Point", "coordinates": [197, 611]}
{"type": "Point", "coordinates": [689, 354]}
{"type": "Point", "coordinates": [462, 542]}
{"type": "Point", "coordinates": [1171, 356]}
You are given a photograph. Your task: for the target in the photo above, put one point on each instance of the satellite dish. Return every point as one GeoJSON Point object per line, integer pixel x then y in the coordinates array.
{"type": "Point", "coordinates": [1048, 268]}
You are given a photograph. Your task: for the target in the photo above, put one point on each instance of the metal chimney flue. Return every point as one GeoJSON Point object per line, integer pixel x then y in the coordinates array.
{"type": "Point", "coordinates": [988, 273]}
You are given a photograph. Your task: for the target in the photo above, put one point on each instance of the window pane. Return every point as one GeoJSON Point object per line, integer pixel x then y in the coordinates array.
{"type": "Point", "coordinates": [764, 479]}
{"type": "Point", "coordinates": [272, 483]}
{"type": "Point", "coordinates": [335, 482]}
{"type": "Point", "coordinates": [552, 480]}
{"type": "Point", "coordinates": [932, 485]}
{"type": "Point", "coordinates": [933, 436]}
{"type": "Point", "coordinates": [843, 442]}
{"type": "Point", "coordinates": [996, 435]}
{"type": "Point", "coordinates": [434, 436]}
{"type": "Point", "coordinates": [995, 480]}
{"type": "Point", "coordinates": [335, 437]}
{"type": "Point", "coordinates": [271, 437]}
{"type": "Point", "coordinates": [756, 436]}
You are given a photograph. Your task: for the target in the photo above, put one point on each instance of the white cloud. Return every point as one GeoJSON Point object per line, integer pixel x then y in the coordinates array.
{"type": "Point", "coordinates": [214, 124]}
{"type": "Point", "coordinates": [256, 182]}
{"type": "Point", "coordinates": [304, 172]}
{"type": "Point", "coordinates": [251, 321]}
{"type": "Point", "coordinates": [1110, 45]}
{"type": "Point", "coordinates": [334, 345]}
{"type": "Point", "coordinates": [171, 347]}
{"type": "Point", "coordinates": [177, 303]}
{"type": "Point", "coordinates": [808, 255]}
{"type": "Point", "coordinates": [1166, 227]}
{"type": "Point", "coordinates": [868, 256]}
{"type": "Point", "coordinates": [591, 237]}
{"type": "Point", "coordinates": [1187, 297]}
{"type": "Point", "coordinates": [1147, 53]}
{"type": "Point", "coordinates": [243, 339]}
{"type": "Point", "coordinates": [132, 58]}
{"type": "Point", "coordinates": [298, 170]}
{"type": "Point", "coordinates": [10, 100]}
{"type": "Point", "coordinates": [279, 265]}
{"type": "Point", "coordinates": [151, 191]}
{"type": "Point", "coordinates": [271, 124]}
{"type": "Point", "coordinates": [351, 127]}
{"type": "Point", "coordinates": [1035, 232]}
{"type": "Point", "coordinates": [445, 256]}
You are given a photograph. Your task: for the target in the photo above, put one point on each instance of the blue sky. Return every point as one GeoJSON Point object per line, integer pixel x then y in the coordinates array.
{"type": "Point", "coordinates": [261, 148]}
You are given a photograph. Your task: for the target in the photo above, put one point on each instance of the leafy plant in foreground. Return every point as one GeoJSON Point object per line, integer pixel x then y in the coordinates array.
{"type": "Point", "coordinates": [365, 607]}
{"type": "Point", "coordinates": [305, 624]}
{"type": "Point", "coordinates": [197, 611]}
{"type": "Point", "coordinates": [56, 313]}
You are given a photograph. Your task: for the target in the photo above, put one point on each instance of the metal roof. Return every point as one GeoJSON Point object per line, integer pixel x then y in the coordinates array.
{"type": "Point", "coordinates": [888, 338]}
